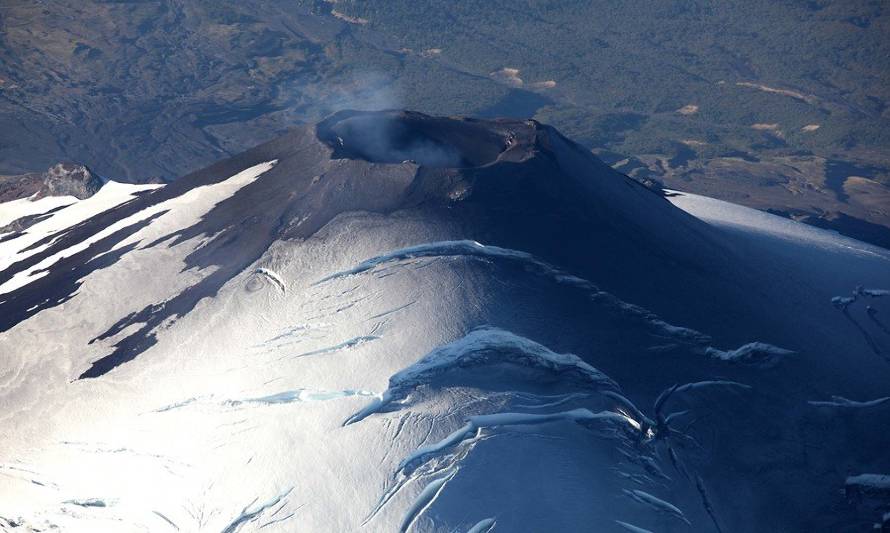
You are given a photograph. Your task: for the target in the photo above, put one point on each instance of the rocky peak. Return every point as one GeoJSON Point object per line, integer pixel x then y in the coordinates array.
{"type": "Point", "coordinates": [70, 179]}
{"type": "Point", "coordinates": [61, 179]}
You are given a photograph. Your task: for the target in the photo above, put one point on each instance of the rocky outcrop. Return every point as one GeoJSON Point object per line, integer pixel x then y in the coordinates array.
{"type": "Point", "coordinates": [61, 179]}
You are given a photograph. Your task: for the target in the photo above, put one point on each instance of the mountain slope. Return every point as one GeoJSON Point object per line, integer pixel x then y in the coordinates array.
{"type": "Point", "coordinates": [777, 106]}
{"type": "Point", "coordinates": [390, 321]}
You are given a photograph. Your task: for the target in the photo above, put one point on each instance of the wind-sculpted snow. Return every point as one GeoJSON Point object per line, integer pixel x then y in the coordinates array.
{"type": "Point", "coordinates": [758, 354]}
{"type": "Point", "coordinates": [476, 355]}
{"type": "Point", "coordinates": [254, 510]}
{"type": "Point", "coordinates": [284, 397]}
{"type": "Point", "coordinates": [471, 432]}
{"type": "Point", "coordinates": [345, 345]}
{"type": "Point", "coordinates": [426, 498]}
{"type": "Point", "coordinates": [707, 503]}
{"type": "Point", "coordinates": [467, 248]}
{"type": "Point", "coordinates": [437, 249]}
{"type": "Point", "coordinates": [845, 403]}
{"type": "Point", "coordinates": [699, 385]}
{"type": "Point", "coordinates": [632, 528]}
{"type": "Point", "coordinates": [660, 428]}
{"type": "Point", "coordinates": [273, 277]}
{"type": "Point", "coordinates": [627, 427]}
{"type": "Point", "coordinates": [481, 347]}
{"type": "Point", "coordinates": [655, 503]}
{"type": "Point", "coordinates": [476, 423]}
{"type": "Point", "coordinates": [483, 526]}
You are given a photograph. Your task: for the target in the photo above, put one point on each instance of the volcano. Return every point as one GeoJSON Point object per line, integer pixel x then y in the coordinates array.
{"type": "Point", "coordinates": [389, 321]}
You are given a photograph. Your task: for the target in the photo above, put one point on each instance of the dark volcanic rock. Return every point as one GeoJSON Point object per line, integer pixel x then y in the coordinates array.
{"type": "Point", "coordinates": [61, 179]}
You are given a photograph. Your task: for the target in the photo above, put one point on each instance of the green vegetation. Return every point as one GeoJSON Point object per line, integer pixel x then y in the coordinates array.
{"type": "Point", "coordinates": [623, 69]}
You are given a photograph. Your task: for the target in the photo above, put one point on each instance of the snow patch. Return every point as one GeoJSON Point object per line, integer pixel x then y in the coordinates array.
{"type": "Point", "coordinates": [251, 512]}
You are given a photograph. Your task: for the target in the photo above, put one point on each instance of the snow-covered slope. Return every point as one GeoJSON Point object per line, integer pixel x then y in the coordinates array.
{"type": "Point", "coordinates": [57, 214]}
{"type": "Point", "coordinates": [393, 322]}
